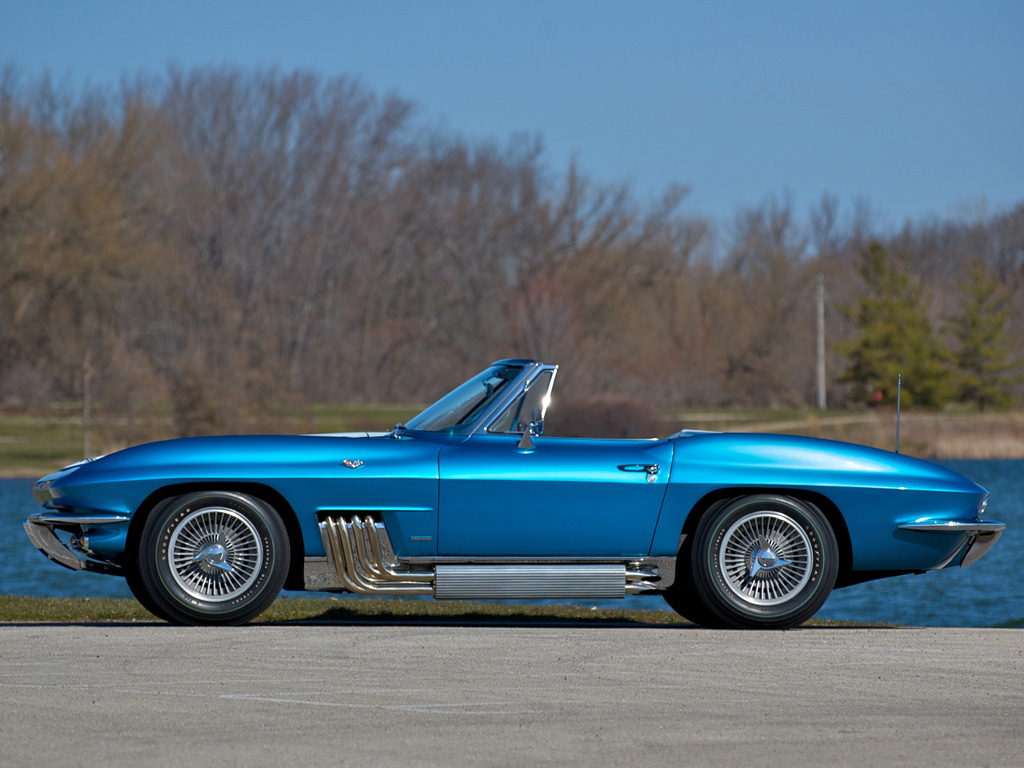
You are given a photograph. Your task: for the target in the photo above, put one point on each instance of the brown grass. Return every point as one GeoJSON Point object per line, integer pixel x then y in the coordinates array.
{"type": "Point", "coordinates": [34, 444]}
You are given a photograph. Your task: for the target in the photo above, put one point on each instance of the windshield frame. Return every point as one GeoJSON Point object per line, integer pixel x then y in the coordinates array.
{"type": "Point", "coordinates": [469, 406]}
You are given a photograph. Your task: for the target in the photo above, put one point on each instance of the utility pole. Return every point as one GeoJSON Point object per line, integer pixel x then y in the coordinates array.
{"type": "Point", "coordinates": [821, 341]}
{"type": "Point", "coordinates": [86, 406]}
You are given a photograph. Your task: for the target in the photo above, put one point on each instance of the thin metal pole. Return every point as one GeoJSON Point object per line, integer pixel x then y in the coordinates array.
{"type": "Point", "coordinates": [899, 387]}
{"type": "Point", "coordinates": [821, 341]}
{"type": "Point", "coordinates": [86, 406]}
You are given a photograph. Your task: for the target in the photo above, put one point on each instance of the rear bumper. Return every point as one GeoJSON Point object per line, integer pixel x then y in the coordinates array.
{"type": "Point", "coordinates": [981, 535]}
{"type": "Point", "coordinates": [41, 529]}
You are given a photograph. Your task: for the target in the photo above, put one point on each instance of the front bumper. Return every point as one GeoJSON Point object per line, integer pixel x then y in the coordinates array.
{"type": "Point", "coordinates": [981, 535]}
{"type": "Point", "coordinates": [75, 554]}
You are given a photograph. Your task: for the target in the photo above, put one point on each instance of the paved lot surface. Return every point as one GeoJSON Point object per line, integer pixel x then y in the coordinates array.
{"type": "Point", "coordinates": [508, 695]}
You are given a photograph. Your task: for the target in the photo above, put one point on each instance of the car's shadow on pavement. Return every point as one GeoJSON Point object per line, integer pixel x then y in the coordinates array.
{"type": "Point", "coordinates": [461, 622]}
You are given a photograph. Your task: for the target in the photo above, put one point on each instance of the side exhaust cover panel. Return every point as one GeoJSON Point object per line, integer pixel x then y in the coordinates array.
{"type": "Point", "coordinates": [462, 582]}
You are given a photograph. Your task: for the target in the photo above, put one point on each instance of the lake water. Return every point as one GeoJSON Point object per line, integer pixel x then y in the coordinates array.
{"type": "Point", "coordinates": [987, 594]}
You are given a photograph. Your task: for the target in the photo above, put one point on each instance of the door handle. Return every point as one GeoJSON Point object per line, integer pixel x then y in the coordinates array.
{"type": "Point", "coordinates": [652, 470]}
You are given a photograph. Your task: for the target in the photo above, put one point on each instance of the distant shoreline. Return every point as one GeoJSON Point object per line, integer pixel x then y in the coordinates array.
{"type": "Point", "coordinates": [33, 445]}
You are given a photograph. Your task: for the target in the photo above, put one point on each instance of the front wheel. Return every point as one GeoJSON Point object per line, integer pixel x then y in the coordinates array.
{"type": "Point", "coordinates": [764, 561]}
{"type": "Point", "coordinates": [212, 558]}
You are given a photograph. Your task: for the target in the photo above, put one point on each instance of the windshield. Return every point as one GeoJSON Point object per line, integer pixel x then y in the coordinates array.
{"type": "Point", "coordinates": [464, 404]}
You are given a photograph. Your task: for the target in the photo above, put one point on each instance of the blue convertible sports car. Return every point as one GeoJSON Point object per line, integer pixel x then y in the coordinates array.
{"type": "Point", "coordinates": [469, 501]}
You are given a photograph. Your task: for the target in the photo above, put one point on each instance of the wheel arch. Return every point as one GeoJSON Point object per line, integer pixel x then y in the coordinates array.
{"type": "Point", "coordinates": [826, 505]}
{"type": "Point", "coordinates": [264, 493]}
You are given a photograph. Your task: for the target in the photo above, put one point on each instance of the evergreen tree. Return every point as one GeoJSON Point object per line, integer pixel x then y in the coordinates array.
{"type": "Point", "coordinates": [984, 365]}
{"type": "Point", "coordinates": [895, 336]}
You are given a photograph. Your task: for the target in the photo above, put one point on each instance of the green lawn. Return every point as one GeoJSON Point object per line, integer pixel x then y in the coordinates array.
{"type": "Point", "coordinates": [340, 610]}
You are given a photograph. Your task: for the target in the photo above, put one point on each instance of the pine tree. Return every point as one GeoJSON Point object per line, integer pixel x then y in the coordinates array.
{"type": "Point", "coordinates": [895, 336]}
{"type": "Point", "coordinates": [984, 365]}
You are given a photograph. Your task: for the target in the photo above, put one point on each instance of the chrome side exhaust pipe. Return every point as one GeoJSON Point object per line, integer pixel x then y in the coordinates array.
{"type": "Point", "coordinates": [361, 553]}
{"type": "Point", "coordinates": [361, 574]}
{"type": "Point", "coordinates": [639, 580]}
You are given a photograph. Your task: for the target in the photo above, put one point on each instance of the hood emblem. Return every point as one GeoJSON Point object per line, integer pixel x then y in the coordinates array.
{"type": "Point", "coordinates": [352, 463]}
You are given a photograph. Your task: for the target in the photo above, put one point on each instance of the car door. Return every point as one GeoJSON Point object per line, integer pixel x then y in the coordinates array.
{"type": "Point", "coordinates": [562, 497]}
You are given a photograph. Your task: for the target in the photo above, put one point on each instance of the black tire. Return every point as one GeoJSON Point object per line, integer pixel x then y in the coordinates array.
{"type": "Point", "coordinates": [131, 575]}
{"type": "Point", "coordinates": [682, 599]}
{"type": "Point", "coordinates": [214, 557]}
{"type": "Point", "coordinates": [134, 580]}
{"type": "Point", "coordinates": [682, 595]}
{"type": "Point", "coordinates": [764, 562]}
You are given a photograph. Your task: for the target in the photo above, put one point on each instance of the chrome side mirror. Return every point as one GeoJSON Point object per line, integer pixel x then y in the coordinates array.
{"type": "Point", "coordinates": [536, 426]}
{"type": "Point", "coordinates": [534, 429]}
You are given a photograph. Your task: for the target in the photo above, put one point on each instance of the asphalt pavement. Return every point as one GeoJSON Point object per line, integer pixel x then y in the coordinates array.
{"type": "Point", "coordinates": [511, 695]}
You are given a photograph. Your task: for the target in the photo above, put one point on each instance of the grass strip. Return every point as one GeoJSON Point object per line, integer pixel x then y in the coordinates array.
{"type": "Point", "coordinates": [14, 609]}
{"type": "Point", "coordinates": [33, 444]}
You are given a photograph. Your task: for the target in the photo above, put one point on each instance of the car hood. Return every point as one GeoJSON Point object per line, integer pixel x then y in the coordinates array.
{"type": "Point", "coordinates": [236, 457]}
{"type": "Point", "coordinates": [239, 452]}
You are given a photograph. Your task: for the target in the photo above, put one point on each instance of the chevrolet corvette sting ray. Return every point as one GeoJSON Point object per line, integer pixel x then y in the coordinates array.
{"type": "Point", "coordinates": [469, 500]}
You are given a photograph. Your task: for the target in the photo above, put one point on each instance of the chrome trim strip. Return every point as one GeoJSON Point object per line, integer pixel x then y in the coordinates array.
{"type": "Point", "coordinates": [954, 526]}
{"type": "Point", "coordinates": [42, 518]}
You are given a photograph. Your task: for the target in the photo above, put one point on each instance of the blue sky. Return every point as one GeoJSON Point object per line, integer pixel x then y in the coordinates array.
{"type": "Point", "coordinates": [916, 106]}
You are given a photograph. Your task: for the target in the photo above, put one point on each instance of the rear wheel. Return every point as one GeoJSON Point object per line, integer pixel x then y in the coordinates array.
{"type": "Point", "coordinates": [211, 558]}
{"type": "Point", "coordinates": [683, 600]}
{"type": "Point", "coordinates": [764, 561]}
{"type": "Point", "coordinates": [682, 596]}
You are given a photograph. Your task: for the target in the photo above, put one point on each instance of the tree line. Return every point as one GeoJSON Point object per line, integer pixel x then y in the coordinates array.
{"type": "Point", "coordinates": [230, 240]}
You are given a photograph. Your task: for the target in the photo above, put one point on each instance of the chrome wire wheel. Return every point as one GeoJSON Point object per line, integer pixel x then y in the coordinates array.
{"type": "Point", "coordinates": [765, 558]}
{"type": "Point", "coordinates": [215, 554]}
{"type": "Point", "coordinates": [764, 561]}
{"type": "Point", "coordinates": [210, 557]}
